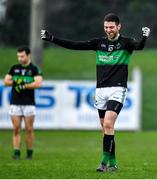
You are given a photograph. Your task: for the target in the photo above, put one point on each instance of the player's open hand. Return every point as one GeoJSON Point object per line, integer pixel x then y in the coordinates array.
{"type": "Point", "coordinates": [46, 35]}
{"type": "Point", "coordinates": [146, 31]}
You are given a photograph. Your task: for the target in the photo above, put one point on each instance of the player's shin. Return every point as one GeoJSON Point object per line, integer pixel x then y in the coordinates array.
{"type": "Point", "coordinates": [112, 158]}
{"type": "Point", "coordinates": [107, 147]}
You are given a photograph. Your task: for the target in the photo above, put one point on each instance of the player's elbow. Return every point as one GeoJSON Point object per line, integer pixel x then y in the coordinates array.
{"type": "Point", "coordinates": [38, 84]}
{"type": "Point", "coordinates": [6, 83]}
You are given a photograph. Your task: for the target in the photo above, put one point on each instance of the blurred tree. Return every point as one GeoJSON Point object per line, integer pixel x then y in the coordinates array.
{"type": "Point", "coordinates": [140, 15]}
{"type": "Point", "coordinates": [15, 29]}
{"type": "Point", "coordinates": [80, 20]}
{"type": "Point", "coordinates": [83, 19]}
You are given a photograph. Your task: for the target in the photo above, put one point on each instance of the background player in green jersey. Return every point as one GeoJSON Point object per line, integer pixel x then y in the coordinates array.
{"type": "Point", "coordinates": [24, 77]}
{"type": "Point", "coordinates": [112, 58]}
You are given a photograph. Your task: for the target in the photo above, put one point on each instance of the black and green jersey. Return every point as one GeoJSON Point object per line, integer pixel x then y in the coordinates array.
{"type": "Point", "coordinates": [112, 57]}
{"type": "Point", "coordinates": [25, 74]}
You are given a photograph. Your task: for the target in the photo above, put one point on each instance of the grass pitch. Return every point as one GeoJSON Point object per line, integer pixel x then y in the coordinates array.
{"type": "Point", "coordinates": [76, 154]}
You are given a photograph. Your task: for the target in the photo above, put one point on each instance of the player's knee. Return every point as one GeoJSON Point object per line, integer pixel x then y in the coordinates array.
{"type": "Point", "coordinates": [29, 130]}
{"type": "Point", "coordinates": [17, 130]}
{"type": "Point", "coordinates": [108, 126]}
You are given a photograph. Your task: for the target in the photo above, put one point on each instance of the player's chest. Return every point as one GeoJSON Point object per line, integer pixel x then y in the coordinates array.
{"type": "Point", "coordinates": [111, 46]}
{"type": "Point", "coordinates": [23, 71]}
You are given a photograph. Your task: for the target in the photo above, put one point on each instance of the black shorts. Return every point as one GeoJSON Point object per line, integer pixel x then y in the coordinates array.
{"type": "Point", "coordinates": [111, 106]}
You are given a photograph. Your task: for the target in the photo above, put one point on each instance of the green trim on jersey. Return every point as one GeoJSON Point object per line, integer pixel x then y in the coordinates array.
{"type": "Point", "coordinates": [113, 58]}
{"type": "Point", "coordinates": [25, 79]}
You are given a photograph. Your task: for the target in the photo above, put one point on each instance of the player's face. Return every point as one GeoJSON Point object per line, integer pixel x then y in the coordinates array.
{"type": "Point", "coordinates": [111, 29]}
{"type": "Point", "coordinates": [23, 58]}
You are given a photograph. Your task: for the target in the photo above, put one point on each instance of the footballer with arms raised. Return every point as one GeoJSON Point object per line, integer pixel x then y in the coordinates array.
{"type": "Point", "coordinates": [112, 58]}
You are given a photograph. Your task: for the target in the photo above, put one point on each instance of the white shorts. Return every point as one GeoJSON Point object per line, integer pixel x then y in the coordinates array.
{"type": "Point", "coordinates": [103, 95]}
{"type": "Point", "coordinates": [22, 110]}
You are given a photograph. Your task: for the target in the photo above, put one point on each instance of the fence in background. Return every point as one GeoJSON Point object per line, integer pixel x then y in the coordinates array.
{"type": "Point", "coordinates": [69, 105]}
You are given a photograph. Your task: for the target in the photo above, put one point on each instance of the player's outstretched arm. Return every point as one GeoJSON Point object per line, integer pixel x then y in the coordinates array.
{"type": "Point", "coordinates": [139, 45]}
{"type": "Point", "coordinates": [75, 45]}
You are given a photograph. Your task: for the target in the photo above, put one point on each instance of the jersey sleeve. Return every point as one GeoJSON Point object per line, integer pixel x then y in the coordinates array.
{"type": "Point", "coordinates": [37, 71]}
{"type": "Point", "coordinates": [137, 45]}
{"type": "Point", "coordinates": [10, 72]}
{"type": "Point", "coordinates": [76, 45]}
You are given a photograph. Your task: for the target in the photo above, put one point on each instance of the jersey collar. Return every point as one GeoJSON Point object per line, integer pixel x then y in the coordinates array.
{"type": "Point", "coordinates": [26, 65]}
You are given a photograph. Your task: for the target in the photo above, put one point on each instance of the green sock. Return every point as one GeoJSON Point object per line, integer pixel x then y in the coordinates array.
{"type": "Point", "coordinates": [29, 152]}
{"type": "Point", "coordinates": [17, 152]}
{"type": "Point", "coordinates": [112, 161]}
{"type": "Point", "coordinates": [105, 159]}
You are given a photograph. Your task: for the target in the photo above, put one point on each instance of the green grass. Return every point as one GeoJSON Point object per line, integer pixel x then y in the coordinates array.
{"type": "Point", "coordinates": [59, 63]}
{"type": "Point", "coordinates": [76, 154]}
{"type": "Point", "coordinates": [66, 64]}
{"type": "Point", "coordinates": [8, 58]}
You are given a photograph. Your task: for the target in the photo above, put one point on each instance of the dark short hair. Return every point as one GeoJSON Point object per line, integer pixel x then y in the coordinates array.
{"type": "Point", "coordinates": [112, 17]}
{"type": "Point", "coordinates": [24, 48]}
